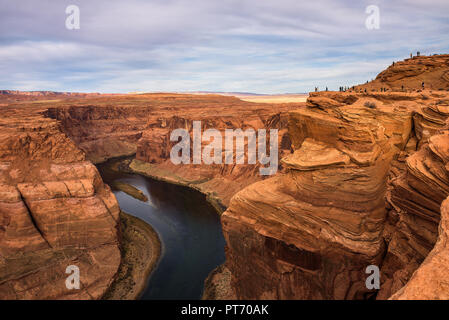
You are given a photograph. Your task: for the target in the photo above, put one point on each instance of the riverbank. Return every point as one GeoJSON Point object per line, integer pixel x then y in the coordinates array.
{"type": "Point", "coordinates": [140, 250]}
{"type": "Point", "coordinates": [217, 285]}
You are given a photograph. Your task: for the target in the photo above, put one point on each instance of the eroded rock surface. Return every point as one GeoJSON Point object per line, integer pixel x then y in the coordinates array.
{"type": "Point", "coordinates": [411, 73]}
{"type": "Point", "coordinates": [219, 181]}
{"type": "Point", "coordinates": [430, 281]}
{"type": "Point", "coordinates": [101, 130]}
{"type": "Point", "coordinates": [55, 212]}
{"type": "Point", "coordinates": [363, 185]}
{"type": "Point", "coordinates": [415, 197]}
{"type": "Point", "coordinates": [311, 232]}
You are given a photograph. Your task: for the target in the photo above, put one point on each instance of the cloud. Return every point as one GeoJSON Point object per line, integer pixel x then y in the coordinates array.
{"type": "Point", "coordinates": [188, 45]}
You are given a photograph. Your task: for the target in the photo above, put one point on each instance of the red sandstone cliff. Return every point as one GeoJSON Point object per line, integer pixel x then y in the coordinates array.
{"type": "Point", "coordinates": [219, 181]}
{"type": "Point", "coordinates": [311, 232]}
{"type": "Point", "coordinates": [420, 241]}
{"type": "Point", "coordinates": [55, 211]}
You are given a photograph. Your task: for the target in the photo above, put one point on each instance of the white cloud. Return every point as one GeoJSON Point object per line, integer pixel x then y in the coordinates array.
{"type": "Point", "coordinates": [179, 45]}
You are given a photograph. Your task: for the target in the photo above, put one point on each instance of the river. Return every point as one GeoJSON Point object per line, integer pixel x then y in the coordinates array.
{"type": "Point", "coordinates": [189, 229]}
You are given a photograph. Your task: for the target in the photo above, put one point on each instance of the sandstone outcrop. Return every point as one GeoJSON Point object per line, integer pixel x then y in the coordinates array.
{"type": "Point", "coordinates": [420, 237]}
{"type": "Point", "coordinates": [411, 73]}
{"type": "Point", "coordinates": [311, 232]}
{"type": "Point", "coordinates": [363, 186]}
{"type": "Point", "coordinates": [55, 212]}
{"type": "Point", "coordinates": [415, 198]}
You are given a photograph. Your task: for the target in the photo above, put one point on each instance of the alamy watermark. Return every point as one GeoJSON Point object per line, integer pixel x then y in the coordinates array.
{"type": "Point", "coordinates": [213, 153]}
{"type": "Point", "coordinates": [373, 281]}
{"type": "Point", "coordinates": [72, 22]}
{"type": "Point", "coordinates": [372, 22]}
{"type": "Point", "coordinates": [73, 280]}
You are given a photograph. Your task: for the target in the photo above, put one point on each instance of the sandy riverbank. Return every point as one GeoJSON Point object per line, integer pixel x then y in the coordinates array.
{"type": "Point", "coordinates": [217, 285]}
{"type": "Point", "coordinates": [140, 249]}
{"type": "Point", "coordinates": [131, 191]}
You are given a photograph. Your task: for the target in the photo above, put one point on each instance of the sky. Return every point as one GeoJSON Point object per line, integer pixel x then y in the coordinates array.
{"type": "Point", "coordinates": [259, 46]}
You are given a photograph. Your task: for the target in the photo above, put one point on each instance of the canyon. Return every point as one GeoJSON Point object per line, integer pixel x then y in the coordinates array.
{"type": "Point", "coordinates": [141, 124]}
{"type": "Point", "coordinates": [362, 180]}
{"type": "Point", "coordinates": [55, 209]}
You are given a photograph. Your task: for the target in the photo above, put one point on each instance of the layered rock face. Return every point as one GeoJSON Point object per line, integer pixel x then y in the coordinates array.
{"type": "Point", "coordinates": [430, 280]}
{"type": "Point", "coordinates": [310, 233]}
{"type": "Point", "coordinates": [55, 212]}
{"type": "Point", "coordinates": [363, 186]}
{"type": "Point", "coordinates": [219, 181]}
{"type": "Point", "coordinates": [411, 73]}
{"type": "Point", "coordinates": [102, 131]}
{"type": "Point", "coordinates": [415, 196]}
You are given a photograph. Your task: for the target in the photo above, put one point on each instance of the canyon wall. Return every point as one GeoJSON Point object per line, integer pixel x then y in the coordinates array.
{"type": "Point", "coordinates": [55, 212]}
{"type": "Point", "coordinates": [415, 196]}
{"type": "Point", "coordinates": [422, 225]}
{"type": "Point", "coordinates": [219, 181]}
{"type": "Point", "coordinates": [102, 131]}
{"type": "Point", "coordinates": [355, 193]}
{"type": "Point", "coordinates": [311, 232]}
